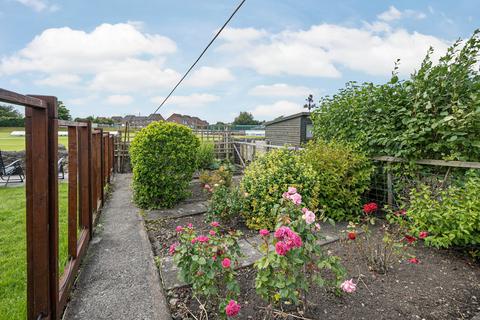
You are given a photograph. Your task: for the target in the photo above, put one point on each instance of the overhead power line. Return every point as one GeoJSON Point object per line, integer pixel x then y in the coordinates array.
{"type": "Point", "coordinates": [201, 55]}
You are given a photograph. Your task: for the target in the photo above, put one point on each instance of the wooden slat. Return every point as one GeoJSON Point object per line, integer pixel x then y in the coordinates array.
{"type": "Point", "coordinates": [37, 210]}
{"type": "Point", "coordinates": [83, 178]}
{"type": "Point", "coordinates": [72, 192]}
{"type": "Point", "coordinates": [441, 163]}
{"type": "Point", "coordinates": [66, 123]}
{"type": "Point", "coordinates": [16, 98]}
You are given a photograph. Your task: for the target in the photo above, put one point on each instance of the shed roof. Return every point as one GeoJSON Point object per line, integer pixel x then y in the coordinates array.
{"type": "Point", "coordinates": [296, 115]}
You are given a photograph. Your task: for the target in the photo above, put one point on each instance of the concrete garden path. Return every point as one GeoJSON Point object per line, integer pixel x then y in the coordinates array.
{"type": "Point", "coordinates": [118, 278]}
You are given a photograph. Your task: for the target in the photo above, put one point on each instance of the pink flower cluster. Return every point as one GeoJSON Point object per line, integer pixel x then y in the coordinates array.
{"type": "Point", "coordinates": [293, 196]}
{"type": "Point", "coordinates": [173, 248]}
{"type": "Point", "coordinates": [287, 240]}
{"type": "Point", "coordinates": [348, 286]}
{"type": "Point", "coordinates": [264, 232]}
{"type": "Point", "coordinates": [308, 216]}
{"type": "Point", "coordinates": [370, 207]}
{"type": "Point", "coordinates": [232, 308]}
{"type": "Point", "coordinates": [201, 239]}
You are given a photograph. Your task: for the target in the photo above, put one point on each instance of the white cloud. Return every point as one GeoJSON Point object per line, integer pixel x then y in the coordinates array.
{"type": "Point", "coordinates": [281, 90]}
{"type": "Point", "coordinates": [209, 76]}
{"type": "Point", "coordinates": [39, 5]}
{"type": "Point", "coordinates": [119, 99]}
{"type": "Point", "coordinates": [323, 49]}
{"type": "Point", "coordinates": [272, 111]}
{"type": "Point", "coordinates": [193, 100]}
{"type": "Point", "coordinates": [393, 14]}
{"type": "Point", "coordinates": [60, 80]}
{"type": "Point", "coordinates": [116, 56]}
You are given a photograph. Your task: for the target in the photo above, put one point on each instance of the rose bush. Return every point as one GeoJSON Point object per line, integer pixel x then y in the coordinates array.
{"type": "Point", "coordinates": [207, 263]}
{"type": "Point", "coordinates": [285, 273]}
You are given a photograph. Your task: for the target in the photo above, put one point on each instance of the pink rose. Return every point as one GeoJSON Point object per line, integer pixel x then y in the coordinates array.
{"type": "Point", "coordinates": [414, 260]}
{"type": "Point", "coordinates": [280, 233]}
{"type": "Point", "coordinates": [296, 199]}
{"type": "Point", "coordinates": [172, 248]}
{"type": "Point", "coordinates": [309, 217]}
{"type": "Point", "coordinates": [292, 190]}
{"type": "Point", "coordinates": [264, 232]}
{"type": "Point", "coordinates": [179, 229]}
{"type": "Point", "coordinates": [202, 239]}
{"type": "Point", "coordinates": [190, 225]}
{"type": "Point", "coordinates": [285, 195]}
{"type": "Point", "coordinates": [194, 240]}
{"type": "Point", "coordinates": [215, 224]}
{"type": "Point", "coordinates": [232, 308]}
{"type": "Point", "coordinates": [281, 248]}
{"type": "Point", "coordinates": [348, 286]}
{"type": "Point", "coordinates": [226, 263]}
{"type": "Point", "coordinates": [304, 209]}
{"type": "Point", "coordinates": [212, 232]}
{"type": "Point", "coordinates": [423, 234]}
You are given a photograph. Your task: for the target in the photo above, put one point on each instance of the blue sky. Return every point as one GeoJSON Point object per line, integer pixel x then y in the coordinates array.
{"type": "Point", "coordinates": [121, 57]}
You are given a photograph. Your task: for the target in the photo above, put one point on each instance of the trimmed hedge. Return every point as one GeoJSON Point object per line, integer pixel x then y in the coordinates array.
{"type": "Point", "coordinates": [163, 157]}
{"type": "Point", "coordinates": [268, 177]}
{"type": "Point", "coordinates": [12, 122]}
{"type": "Point", "coordinates": [343, 175]}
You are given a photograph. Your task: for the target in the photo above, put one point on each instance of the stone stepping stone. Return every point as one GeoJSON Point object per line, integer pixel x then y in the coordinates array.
{"type": "Point", "coordinates": [182, 210]}
{"type": "Point", "coordinates": [249, 248]}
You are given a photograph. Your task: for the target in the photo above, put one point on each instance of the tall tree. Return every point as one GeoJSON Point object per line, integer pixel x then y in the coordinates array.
{"type": "Point", "coordinates": [63, 112]}
{"type": "Point", "coordinates": [245, 118]}
{"type": "Point", "coordinates": [9, 112]}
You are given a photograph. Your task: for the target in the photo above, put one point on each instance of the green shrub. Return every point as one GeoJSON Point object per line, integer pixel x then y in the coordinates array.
{"type": "Point", "coordinates": [12, 122]}
{"type": "Point", "coordinates": [268, 177]}
{"type": "Point", "coordinates": [450, 216]}
{"type": "Point", "coordinates": [432, 115]}
{"type": "Point", "coordinates": [343, 175]}
{"type": "Point", "coordinates": [205, 155]}
{"type": "Point", "coordinates": [163, 157]}
{"type": "Point", "coordinates": [225, 205]}
{"type": "Point", "coordinates": [215, 178]}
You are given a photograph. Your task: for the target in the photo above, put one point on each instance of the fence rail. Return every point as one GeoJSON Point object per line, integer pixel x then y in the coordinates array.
{"type": "Point", "coordinates": [90, 167]}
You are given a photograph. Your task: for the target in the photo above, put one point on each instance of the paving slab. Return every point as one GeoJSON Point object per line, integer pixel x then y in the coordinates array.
{"type": "Point", "coordinates": [118, 278]}
{"type": "Point", "coordinates": [182, 210]}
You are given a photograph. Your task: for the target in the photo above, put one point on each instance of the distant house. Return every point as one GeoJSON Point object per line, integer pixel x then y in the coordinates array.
{"type": "Point", "coordinates": [292, 130]}
{"type": "Point", "coordinates": [138, 121]}
{"type": "Point", "coordinates": [192, 122]}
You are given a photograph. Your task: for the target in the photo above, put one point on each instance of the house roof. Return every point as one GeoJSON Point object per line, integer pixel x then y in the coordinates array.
{"type": "Point", "coordinates": [293, 116]}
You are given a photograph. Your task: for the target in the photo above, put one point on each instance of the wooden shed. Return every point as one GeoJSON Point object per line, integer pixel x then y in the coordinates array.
{"type": "Point", "coordinates": [292, 130]}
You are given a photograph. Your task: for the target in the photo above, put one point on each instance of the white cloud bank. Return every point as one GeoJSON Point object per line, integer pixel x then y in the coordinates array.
{"type": "Point", "coordinates": [209, 76]}
{"type": "Point", "coordinates": [193, 100]}
{"type": "Point", "coordinates": [274, 110]}
{"type": "Point", "coordinates": [281, 90]}
{"type": "Point", "coordinates": [119, 99]}
{"type": "Point", "coordinates": [39, 5]}
{"type": "Point", "coordinates": [324, 49]}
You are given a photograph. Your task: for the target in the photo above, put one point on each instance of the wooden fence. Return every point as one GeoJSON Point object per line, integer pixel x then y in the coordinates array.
{"type": "Point", "coordinates": [90, 168]}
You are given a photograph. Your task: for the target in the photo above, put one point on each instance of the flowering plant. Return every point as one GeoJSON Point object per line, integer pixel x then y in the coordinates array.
{"type": "Point", "coordinates": [207, 263]}
{"type": "Point", "coordinates": [382, 254]}
{"type": "Point", "coordinates": [292, 255]}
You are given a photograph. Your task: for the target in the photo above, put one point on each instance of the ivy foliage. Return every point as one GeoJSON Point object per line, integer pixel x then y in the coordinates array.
{"type": "Point", "coordinates": [435, 114]}
{"type": "Point", "coordinates": [163, 157]}
{"type": "Point", "coordinates": [343, 175]}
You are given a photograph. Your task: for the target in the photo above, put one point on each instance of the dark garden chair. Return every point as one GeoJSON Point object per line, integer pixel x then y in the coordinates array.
{"type": "Point", "coordinates": [61, 170]}
{"type": "Point", "coordinates": [13, 169]}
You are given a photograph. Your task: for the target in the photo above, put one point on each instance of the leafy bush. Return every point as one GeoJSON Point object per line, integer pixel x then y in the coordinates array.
{"type": "Point", "coordinates": [163, 157]}
{"type": "Point", "coordinates": [432, 115]}
{"type": "Point", "coordinates": [12, 122]}
{"type": "Point", "coordinates": [207, 263]}
{"type": "Point", "coordinates": [205, 155]}
{"type": "Point", "coordinates": [343, 175]}
{"type": "Point", "coordinates": [216, 178]}
{"type": "Point", "coordinates": [266, 178]}
{"type": "Point", "coordinates": [226, 204]}
{"type": "Point", "coordinates": [286, 273]}
{"type": "Point", "coordinates": [450, 216]}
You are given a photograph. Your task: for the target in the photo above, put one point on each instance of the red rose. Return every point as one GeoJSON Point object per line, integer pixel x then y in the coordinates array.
{"type": "Point", "coordinates": [352, 235]}
{"type": "Point", "coordinates": [423, 234]}
{"type": "Point", "coordinates": [414, 260]}
{"type": "Point", "coordinates": [410, 239]}
{"type": "Point", "coordinates": [370, 207]}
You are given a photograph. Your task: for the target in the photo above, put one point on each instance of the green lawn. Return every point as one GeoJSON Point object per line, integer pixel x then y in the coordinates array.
{"type": "Point", "coordinates": [9, 143]}
{"type": "Point", "coordinates": [13, 249]}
